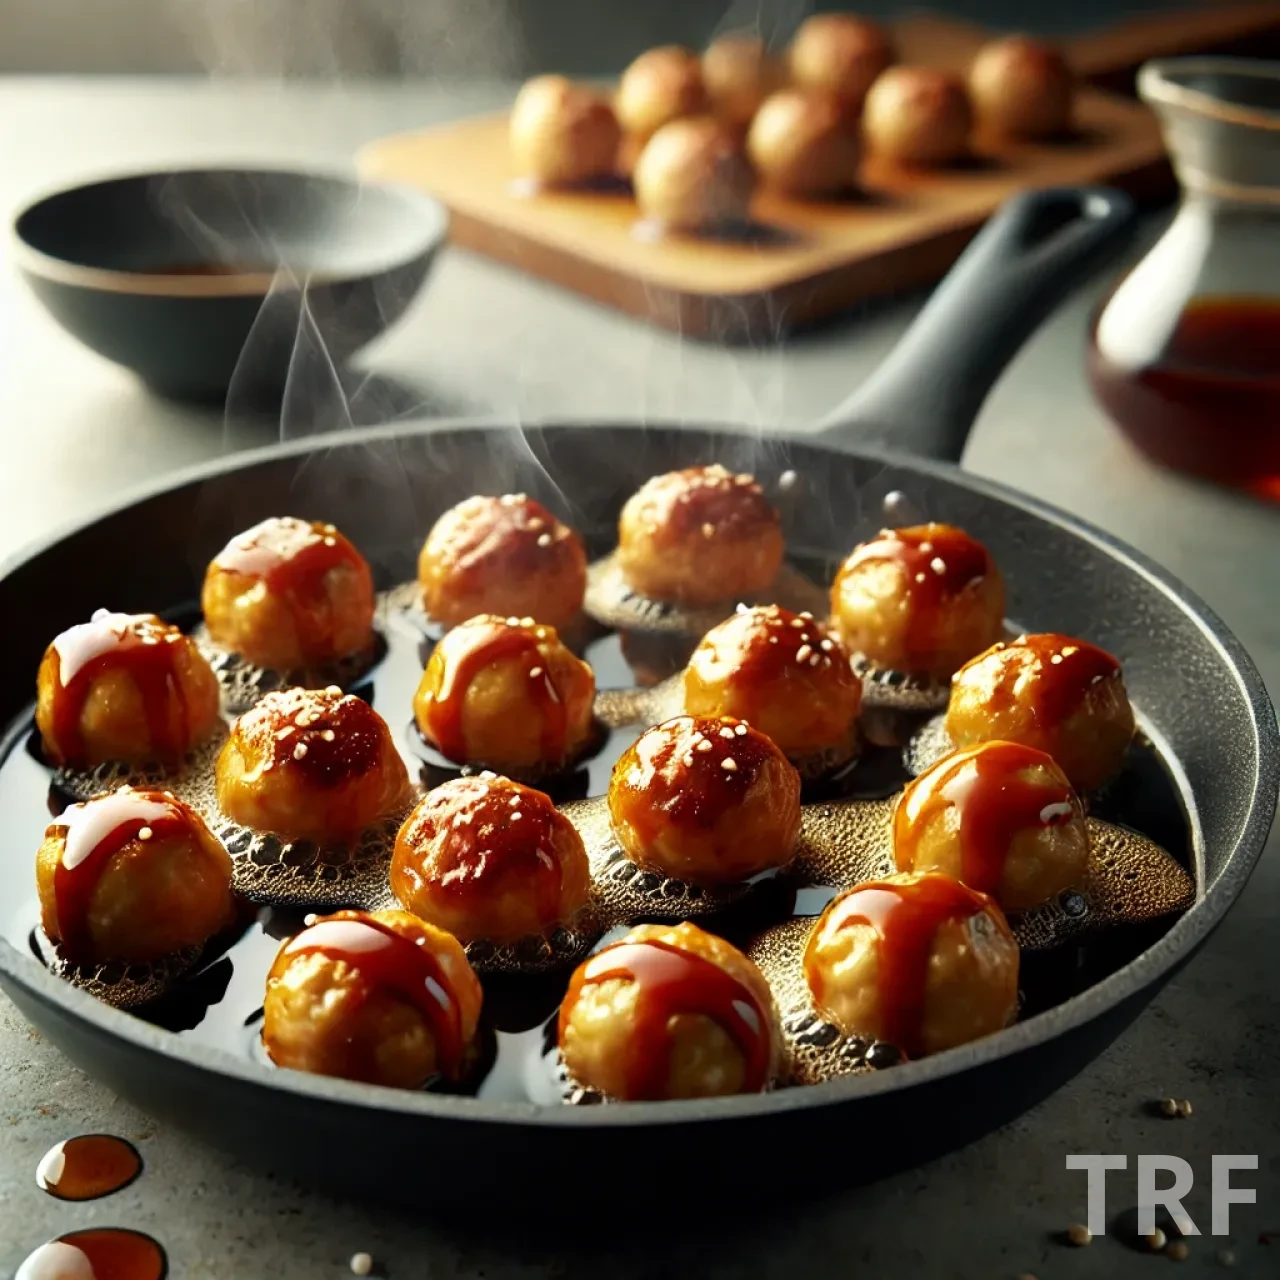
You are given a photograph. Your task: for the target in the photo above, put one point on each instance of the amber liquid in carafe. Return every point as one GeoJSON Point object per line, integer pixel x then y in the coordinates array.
{"type": "Point", "coordinates": [1210, 404]}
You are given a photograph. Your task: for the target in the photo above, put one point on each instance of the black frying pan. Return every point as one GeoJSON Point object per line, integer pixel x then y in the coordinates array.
{"type": "Point", "coordinates": [1198, 696]}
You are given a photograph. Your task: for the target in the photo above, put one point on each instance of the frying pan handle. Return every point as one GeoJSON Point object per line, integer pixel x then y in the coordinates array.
{"type": "Point", "coordinates": [925, 396]}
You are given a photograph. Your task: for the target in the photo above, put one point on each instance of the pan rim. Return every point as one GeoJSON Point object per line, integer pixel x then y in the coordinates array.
{"type": "Point", "coordinates": [1113, 991]}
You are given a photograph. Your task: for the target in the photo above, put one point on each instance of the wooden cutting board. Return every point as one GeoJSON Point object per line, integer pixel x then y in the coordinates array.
{"type": "Point", "coordinates": [806, 260]}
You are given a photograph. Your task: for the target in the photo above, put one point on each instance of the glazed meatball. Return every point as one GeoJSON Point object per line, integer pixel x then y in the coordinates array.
{"type": "Point", "coordinates": [289, 594]}
{"type": "Point", "coordinates": [131, 876]}
{"type": "Point", "coordinates": [922, 600]}
{"type": "Point", "coordinates": [124, 687]}
{"type": "Point", "coordinates": [1060, 695]}
{"type": "Point", "coordinates": [562, 133]}
{"type": "Point", "coordinates": [661, 85]}
{"type": "Point", "coordinates": [700, 536]}
{"type": "Point", "coordinates": [488, 858]}
{"type": "Point", "coordinates": [692, 176]}
{"type": "Point", "coordinates": [917, 960]}
{"type": "Point", "coordinates": [802, 145]}
{"type": "Point", "coordinates": [310, 764]}
{"type": "Point", "coordinates": [1022, 88]}
{"type": "Point", "coordinates": [739, 74]}
{"type": "Point", "coordinates": [705, 799]}
{"type": "Point", "coordinates": [782, 672]}
{"type": "Point", "coordinates": [841, 54]}
{"type": "Point", "coordinates": [1001, 817]}
{"type": "Point", "coordinates": [917, 116]}
{"type": "Point", "coordinates": [507, 693]}
{"type": "Point", "coordinates": [505, 555]}
{"type": "Point", "coordinates": [383, 997]}
{"type": "Point", "coordinates": [669, 1012]}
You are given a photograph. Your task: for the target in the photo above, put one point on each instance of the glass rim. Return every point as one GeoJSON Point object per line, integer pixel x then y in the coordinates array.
{"type": "Point", "coordinates": [1163, 82]}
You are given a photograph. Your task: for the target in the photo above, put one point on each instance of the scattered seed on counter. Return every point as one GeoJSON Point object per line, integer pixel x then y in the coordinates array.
{"type": "Point", "coordinates": [1156, 1240]}
{"type": "Point", "coordinates": [1184, 1109]}
{"type": "Point", "coordinates": [1178, 1251]}
{"type": "Point", "coordinates": [361, 1264]}
{"type": "Point", "coordinates": [1169, 1107]}
{"type": "Point", "coordinates": [1079, 1235]}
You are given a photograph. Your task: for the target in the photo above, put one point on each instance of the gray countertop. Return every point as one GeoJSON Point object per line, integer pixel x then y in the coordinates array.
{"type": "Point", "coordinates": [75, 432]}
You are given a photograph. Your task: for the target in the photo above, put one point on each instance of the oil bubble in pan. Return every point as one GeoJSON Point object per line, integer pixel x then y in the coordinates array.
{"type": "Point", "coordinates": [185, 779]}
{"type": "Point", "coordinates": [615, 604]}
{"type": "Point", "coordinates": [243, 684]}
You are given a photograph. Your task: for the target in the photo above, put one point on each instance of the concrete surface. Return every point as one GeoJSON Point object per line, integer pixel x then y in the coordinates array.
{"type": "Point", "coordinates": [74, 431]}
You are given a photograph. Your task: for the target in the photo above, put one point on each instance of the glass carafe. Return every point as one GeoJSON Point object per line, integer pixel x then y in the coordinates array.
{"type": "Point", "coordinates": [1185, 353]}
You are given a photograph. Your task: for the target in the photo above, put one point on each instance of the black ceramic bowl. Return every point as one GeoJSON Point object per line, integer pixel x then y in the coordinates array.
{"type": "Point", "coordinates": [167, 273]}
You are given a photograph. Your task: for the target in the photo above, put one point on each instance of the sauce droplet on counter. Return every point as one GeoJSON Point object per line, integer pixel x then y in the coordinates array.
{"type": "Point", "coordinates": [906, 917]}
{"type": "Point", "coordinates": [95, 831]}
{"type": "Point", "coordinates": [141, 645]}
{"type": "Point", "coordinates": [388, 961]}
{"type": "Point", "coordinates": [98, 1253]}
{"type": "Point", "coordinates": [674, 981]}
{"type": "Point", "coordinates": [88, 1167]}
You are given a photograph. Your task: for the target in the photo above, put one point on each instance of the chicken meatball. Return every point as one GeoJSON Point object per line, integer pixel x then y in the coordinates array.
{"type": "Point", "coordinates": [661, 85]}
{"type": "Point", "coordinates": [1022, 88]}
{"type": "Point", "coordinates": [802, 144]}
{"type": "Point", "coordinates": [505, 692]}
{"type": "Point", "coordinates": [1062, 696]}
{"type": "Point", "coordinates": [669, 1012]}
{"type": "Point", "coordinates": [131, 876]}
{"type": "Point", "coordinates": [289, 594]}
{"type": "Point", "coordinates": [692, 176]}
{"type": "Point", "coordinates": [383, 997]}
{"type": "Point", "coordinates": [505, 555]}
{"type": "Point", "coordinates": [1001, 817]}
{"type": "Point", "coordinates": [705, 799]}
{"type": "Point", "coordinates": [311, 764]}
{"type": "Point", "coordinates": [917, 116]}
{"type": "Point", "coordinates": [700, 536]}
{"type": "Point", "coordinates": [739, 74]}
{"type": "Point", "coordinates": [783, 673]}
{"type": "Point", "coordinates": [487, 858]}
{"type": "Point", "coordinates": [917, 960]}
{"type": "Point", "coordinates": [841, 54]}
{"type": "Point", "coordinates": [562, 133]}
{"type": "Point", "coordinates": [922, 600]}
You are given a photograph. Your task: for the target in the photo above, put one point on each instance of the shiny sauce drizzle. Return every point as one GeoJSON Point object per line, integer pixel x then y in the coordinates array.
{"type": "Point", "coordinates": [292, 558]}
{"type": "Point", "coordinates": [94, 832]}
{"type": "Point", "coordinates": [388, 961]}
{"type": "Point", "coordinates": [467, 651]}
{"type": "Point", "coordinates": [672, 981]}
{"type": "Point", "coordinates": [938, 560]}
{"type": "Point", "coordinates": [1066, 669]}
{"type": "Point", "coordinates": [105, 1253]}
{"type": "Point", "coordinates": [770, 643]}
{"type": "Point", "coordinates": [993, 799]}
{"type": "Point", "coordinates": [906, 918]}
{"type": "Point", "coordinates": [141, 646]}
{"type": "Point", "coordinates": [88, 1167]}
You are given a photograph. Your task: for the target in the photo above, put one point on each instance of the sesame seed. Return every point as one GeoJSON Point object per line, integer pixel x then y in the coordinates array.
{"type": "Point", "coordinates": [787, 480]}
{"type": "Point", "coordinates": [1079, 1235]}
{"type": "Point", "coordinates": [773, 639]}
{"type": "Point", "coordinates": [938, 565]}
{"type": "Point", "coordinates": [1169, 1107]}
{"type": "Point", "coordinates": [330, 528]}
{"type": "Point", "coordinates": [513, 622]}
{"type": "Point", "coordinates": [526, 622]}
{"type": "Point", "coordinates": [1178, 1251]}
{"type": "Point", "coordinates": [145, 833]}
{"type": "Point", "coordinates": [743, 479]}
{"type": "Point", "coordinates": [826, 646]}
{"type": "Point", "coordinates": [708, 530]}
{"type": "Point", "coordinates": [328, 735]}
{"type": "Point", "coordinates": [1184, 1109]}
{"type": "Point", "coordinates": [544, 539]}
{"type": "Point", "coordinates": [727, 733]}
{"type": "Point", "coordinates": [926, 547]}
{"type": "Point", "coordinates": [331, 542]}
{"type": "Point", "coordinates": [740, 730]}
{"type": "Point", "coordinates": [919, 577]}
{"type": "Point", "coordinates": [1056, 659]}
{"type": "Point", "coordinates": [310, 918]}
{"type": "Point", "coordinates": [333, 691]}
{"type": "Point", "coordinates": [361, 1264]}
{"type": "Point", "coordinates": [688, 759]}
{"type": "Point", "coordinates": [487, 775]}
{"type": "Point", "coordinates": [1156, 1240]}
{"type": "Point", "coordinates": [516, 815]}
{"type": "Point", "coordinates": [704, 745]}
{"type": "Point", "coordinates": [817, 658]}
{"type": "Point", "coordinates": [282, 734]}
{"type": "Point", "coordinates": [798, 622]}
{"type": "Point", "coordinates": [534, 672]}
{"type": "Point", "coordinates": [741, 608]}
{"type": "Point", "coordinates": [1069, 649]}
{"type": "Point", "coordinates": [729, 764]}
{"type": "Point", "coordinates": [299, 751]}
{"type": "Point", "coordinates": [515, 802]}
{"type": "Point", "coordinates": [802, 654]}
{"type": "Point", "coordinates": [536, 523]}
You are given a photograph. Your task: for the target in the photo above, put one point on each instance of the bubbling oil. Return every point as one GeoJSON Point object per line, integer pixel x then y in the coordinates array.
{"type": "Point", "coordinates": [215, 997]}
